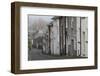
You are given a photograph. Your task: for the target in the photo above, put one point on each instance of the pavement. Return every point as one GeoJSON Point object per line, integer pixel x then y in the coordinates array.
{"type": "Point", "coordinates": [36, 54]}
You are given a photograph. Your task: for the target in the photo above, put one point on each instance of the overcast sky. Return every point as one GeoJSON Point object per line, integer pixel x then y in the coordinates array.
{"type": "Point", "coordinates": [36, 21]}
{"type": "Point", "coordinates": [33, 18]}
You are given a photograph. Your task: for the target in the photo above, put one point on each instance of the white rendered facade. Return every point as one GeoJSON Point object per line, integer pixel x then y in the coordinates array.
{"type": "Point", "coordinates": [74, 37]}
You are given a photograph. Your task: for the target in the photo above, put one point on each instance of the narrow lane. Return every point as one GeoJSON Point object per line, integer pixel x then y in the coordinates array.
{"type": "Point", "coordinates": [36, 54]}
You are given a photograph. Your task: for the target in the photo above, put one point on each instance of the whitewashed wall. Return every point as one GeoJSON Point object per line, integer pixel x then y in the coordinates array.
{"type": "Point", "coordinates": [78, 36]}
{"type": "Point", "coordinates": [84, 36]}
{"type": "Point", "coordinates": [55, 41]}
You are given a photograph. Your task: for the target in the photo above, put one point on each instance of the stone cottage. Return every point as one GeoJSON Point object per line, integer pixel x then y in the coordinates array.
{"type": "Point", "coordinates": [68, 36]}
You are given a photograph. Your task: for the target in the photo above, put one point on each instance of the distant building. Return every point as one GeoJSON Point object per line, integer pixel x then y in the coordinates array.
{"type": "Point", "coordinates": [45, 44]}
{"type": "Point", "coordinates": [68, 36]}
{"type": "Point", "coordinates": [38, 40]}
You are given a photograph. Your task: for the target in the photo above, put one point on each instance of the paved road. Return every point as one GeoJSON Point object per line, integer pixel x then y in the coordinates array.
{"type": "Point", "coordinates": [36, 54]}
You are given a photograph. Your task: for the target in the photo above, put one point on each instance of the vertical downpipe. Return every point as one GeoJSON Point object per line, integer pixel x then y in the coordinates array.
{"type": "Point", "coordinates": [80, 37]}
{"type": "Point", "coordinates": [49, 41]}
{"type": "Point", "coordinates": [65, 36]}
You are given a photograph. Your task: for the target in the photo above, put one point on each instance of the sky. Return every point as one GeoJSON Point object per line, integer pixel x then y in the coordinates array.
{"type": "Point", "coordinates": [33, 18]}
{"type": "Point", "coordinates": [40, 20]}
